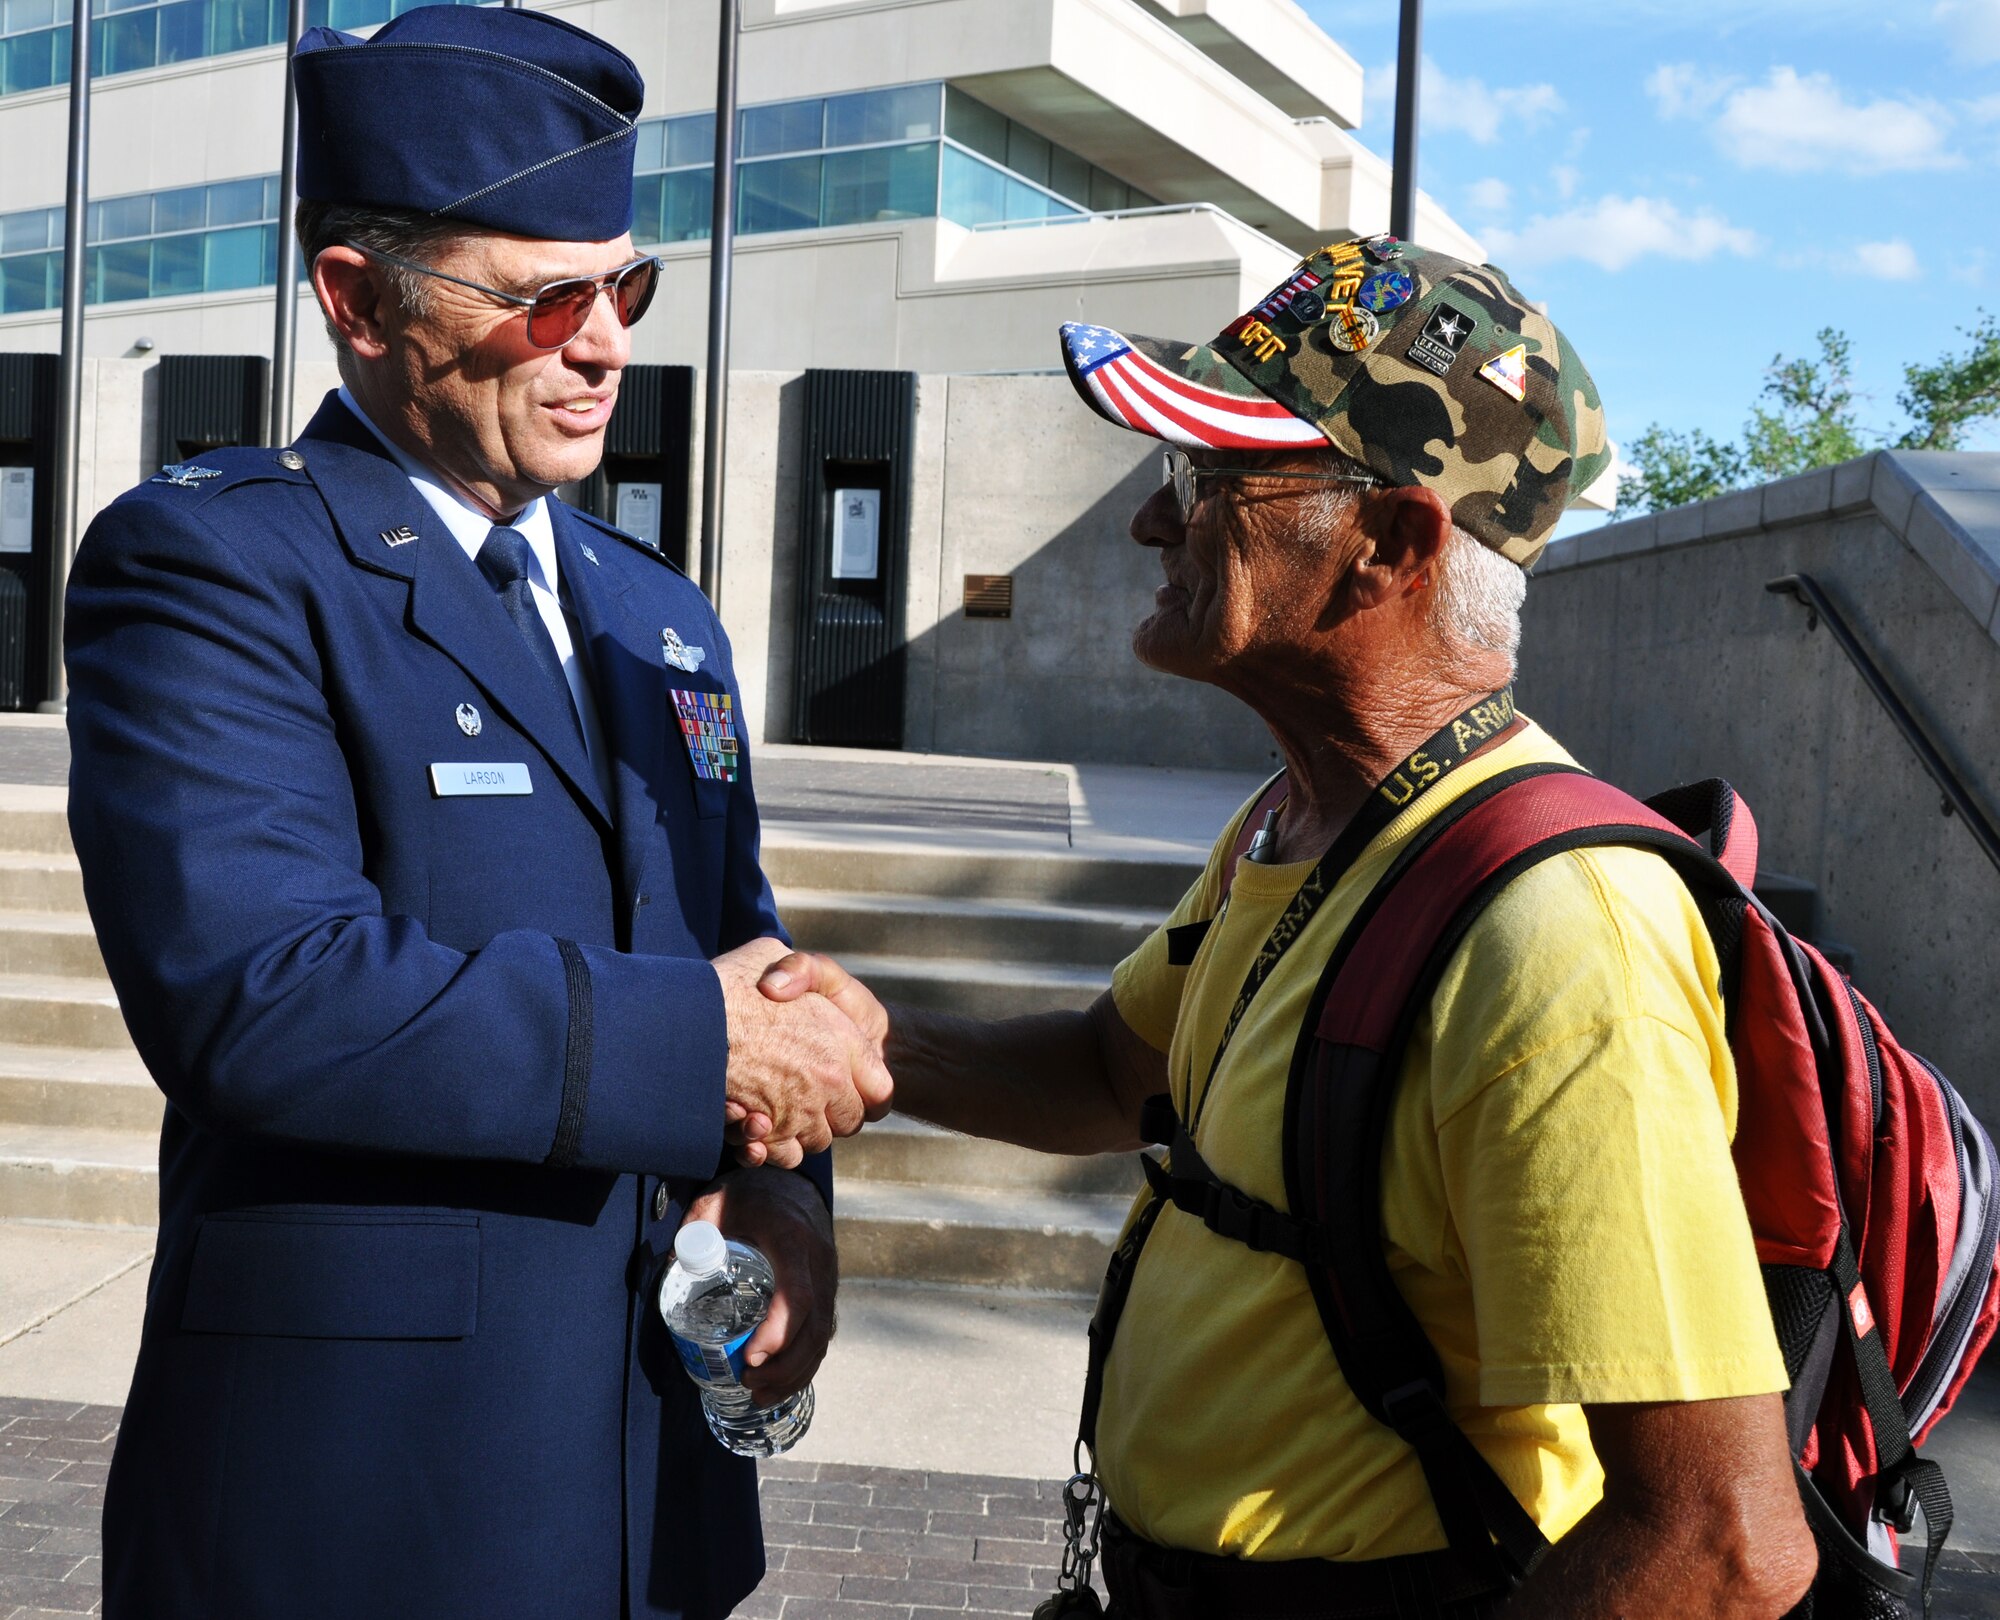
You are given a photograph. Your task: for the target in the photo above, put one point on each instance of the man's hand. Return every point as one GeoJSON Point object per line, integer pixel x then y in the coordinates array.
{"type": "Point", "coordinates": [784, 1217]}
{"type": "Point", "coordinates": [800, 1070]}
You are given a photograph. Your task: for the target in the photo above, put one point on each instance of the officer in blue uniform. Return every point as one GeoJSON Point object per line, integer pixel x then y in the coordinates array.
{"type": "Point", "coordinates": [416, 822]}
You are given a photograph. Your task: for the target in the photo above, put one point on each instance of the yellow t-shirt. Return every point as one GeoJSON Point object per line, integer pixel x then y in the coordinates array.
{"type": "Point", "coordinates": [1559, 1202]}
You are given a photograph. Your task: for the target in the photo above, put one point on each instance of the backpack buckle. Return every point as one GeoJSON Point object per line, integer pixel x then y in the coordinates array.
{"type": "Point", "coordinates": [1896, 1503]}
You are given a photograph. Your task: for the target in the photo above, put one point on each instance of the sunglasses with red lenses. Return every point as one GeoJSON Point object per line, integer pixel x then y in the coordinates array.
{"type": "Point", "coordinates": [559, 310]}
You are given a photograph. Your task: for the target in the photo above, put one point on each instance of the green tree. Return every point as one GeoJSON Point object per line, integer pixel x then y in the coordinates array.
{"type": "Point", "coordinates": [1813, 424]}
{"type": "Point", "coordinates": [1671, 469]}
{"type": "Point", "coordinates": [1944, 399]}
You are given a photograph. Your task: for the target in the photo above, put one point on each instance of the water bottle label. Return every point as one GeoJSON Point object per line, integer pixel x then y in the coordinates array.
{"type": "Point", "coordinates": [713, 1363]}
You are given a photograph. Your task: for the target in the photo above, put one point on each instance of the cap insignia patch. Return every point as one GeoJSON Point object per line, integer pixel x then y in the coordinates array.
{"type": "Point", "coordinates": [1386, 290]}
{"type": "Point", "coordinates": [1509, 372]}
{"type": "Point", "coordinates": [1352, 330]}
{"type": "Point", "coordinates": [1444, 334]}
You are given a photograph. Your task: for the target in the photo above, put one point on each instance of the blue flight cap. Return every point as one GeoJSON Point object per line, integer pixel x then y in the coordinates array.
{"type": "Point", "coordinates": [514, 120]}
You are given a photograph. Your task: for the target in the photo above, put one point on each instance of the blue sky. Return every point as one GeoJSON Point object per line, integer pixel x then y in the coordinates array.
{"type": "Point", "coordinates": [1694, 186]}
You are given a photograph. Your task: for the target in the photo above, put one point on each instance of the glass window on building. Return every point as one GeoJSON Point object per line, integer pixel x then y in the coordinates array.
{"type": "Point", "coordinates": [971, 191]}
{"type": "Point", "coordinates": [974, 125]}
{"type": "Point", "coordinates": [879, 117]}
{"type": "Point", "coordinates": [780, 194]}
{"type": "Point", "coordinates": [30, 281]}
{"type": "Point", "coordinates": [691, 140]}
{"type": "Point", "coordinates": [879, 182]}
{"type": "Point", "coordinates": [233, 259]}
{"type": "Point", "coordinates": [687, 207]}
{"type": "Point", "coordinates": [118, 272]}
{"type": "Point", "coordinates": [785, 126]}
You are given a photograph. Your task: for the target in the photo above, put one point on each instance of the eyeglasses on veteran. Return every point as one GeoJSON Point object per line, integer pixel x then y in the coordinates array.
{"type": "Point", "coordinates": [1184, 475]}
{"type": "Point", "coordinates": [558, 310]}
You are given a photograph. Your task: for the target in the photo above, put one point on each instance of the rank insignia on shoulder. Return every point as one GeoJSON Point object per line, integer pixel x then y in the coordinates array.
{"type": "Point", "coordinates": [678, 654]}
{"type": "Point", "coordinates": [1509, 372]}
{"type": "Point", "coordinates": [708, 726]}
{"type": "Point", "coordinates": [183, 475]}
{"type": "Point", "coordinates": [401, 535]}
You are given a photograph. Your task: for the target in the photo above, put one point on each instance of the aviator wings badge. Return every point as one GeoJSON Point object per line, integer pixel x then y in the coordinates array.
{"type": "Point", "coordinates": [678, 654]}
{"type": "Point", "coordinates": [183, 475]}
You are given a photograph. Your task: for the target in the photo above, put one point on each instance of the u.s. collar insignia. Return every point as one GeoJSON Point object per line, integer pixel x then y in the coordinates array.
{"type": "Point", "coordinates": [183, 475]}
{"type": "Point", "coordinates": [589, 556]}
{"type": "Point", "coordinates": [678, 653]}
{"type": "Point", "coordinates": [401, 535]}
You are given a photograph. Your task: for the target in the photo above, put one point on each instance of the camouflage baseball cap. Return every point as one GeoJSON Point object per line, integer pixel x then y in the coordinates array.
{"type": "Point", "coordinates": [1426, 369]}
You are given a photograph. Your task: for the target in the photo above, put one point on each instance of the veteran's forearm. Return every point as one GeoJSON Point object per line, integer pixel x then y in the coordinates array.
{"type": "Point", "coordinates": [1062, 1082]}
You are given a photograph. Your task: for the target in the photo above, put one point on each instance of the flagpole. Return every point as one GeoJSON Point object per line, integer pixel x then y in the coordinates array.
{"type": "Point", "coordinates": [721, 245]}
{"type": "Point", "coordinates": [69, 384]}
{"type": "Point", "coordinates": [285, 331]}
{"type": "Point", "coordinates": [1409, 72]}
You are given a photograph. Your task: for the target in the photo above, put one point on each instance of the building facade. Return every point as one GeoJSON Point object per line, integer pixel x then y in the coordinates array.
{"type": "Point", "coordinates": [928, 185]}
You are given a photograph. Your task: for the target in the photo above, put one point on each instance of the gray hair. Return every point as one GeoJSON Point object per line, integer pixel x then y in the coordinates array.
{"type": "Point", "coordinates": [403, 232]}
{"type": "Point", "coordinates": [1476, 603]}
{"type": "Point", "coordinates": [1478, 598]}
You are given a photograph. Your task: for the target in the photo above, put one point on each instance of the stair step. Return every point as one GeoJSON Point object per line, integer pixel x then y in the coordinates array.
{"type": "Point", "coordinates": [903, 1150]}
{"type": "Point", "coordinates": [976, 1237]}
{"type": "Point", "coordinates": [49, 942]}
{"type": "Point", "coordinates": [74, 1173]}
{"type": "Point", "coordinates": [979, 989]}
{"type": "Point", "coordinates": [35, 880]}
{"type": "Point", "coordinates": [68, 1085]}
{"type": "Point", "coordinates": [43, 832]}
{"type": "Point", "coordinates": [47, 1009]}
{"type": "Point", "coordinates": [1084, 880]}
{"type": "Point", "coordinates": [1017, 930]}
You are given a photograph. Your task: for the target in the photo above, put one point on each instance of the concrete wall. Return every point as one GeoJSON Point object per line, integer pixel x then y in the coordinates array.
{"type": "Point", "coordinates": [1654, 652]}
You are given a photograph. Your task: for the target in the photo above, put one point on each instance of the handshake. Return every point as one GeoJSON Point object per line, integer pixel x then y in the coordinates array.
{"type": "Point", "coordinates": [805, 1053]}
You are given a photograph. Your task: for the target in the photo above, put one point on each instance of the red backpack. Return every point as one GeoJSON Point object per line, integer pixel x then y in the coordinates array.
{"type": "Point", "coordinates": [1869, 1185]}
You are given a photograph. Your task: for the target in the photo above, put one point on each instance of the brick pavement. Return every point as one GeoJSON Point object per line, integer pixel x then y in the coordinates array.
{"type": "Point", "coordinates": [843, 1542]}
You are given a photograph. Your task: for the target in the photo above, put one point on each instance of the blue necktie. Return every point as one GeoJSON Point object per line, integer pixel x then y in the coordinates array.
{"type": "Point", "coordinates": [505, 560]}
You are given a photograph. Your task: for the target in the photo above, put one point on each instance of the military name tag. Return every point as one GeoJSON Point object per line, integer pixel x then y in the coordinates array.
{"type": "Point", "coordinates": [477, 778]}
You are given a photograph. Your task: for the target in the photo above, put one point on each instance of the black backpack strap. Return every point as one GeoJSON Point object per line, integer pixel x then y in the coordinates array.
{"type": "Point", "coordinates": [1905, 1481]}
{"type": "Point", "coordinates": [1344, 1074]}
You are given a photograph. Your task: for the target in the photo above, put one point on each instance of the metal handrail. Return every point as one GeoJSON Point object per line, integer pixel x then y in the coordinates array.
{"type": "Point", "coordinates": [1958, 797]}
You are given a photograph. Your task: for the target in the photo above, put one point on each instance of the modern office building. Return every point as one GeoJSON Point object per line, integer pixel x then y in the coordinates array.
{"type": "Point", "coordinates": [927, 185]}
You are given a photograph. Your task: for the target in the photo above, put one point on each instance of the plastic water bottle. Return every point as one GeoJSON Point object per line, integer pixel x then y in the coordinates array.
{"type": "Point", "coordinates": [712, 1298]}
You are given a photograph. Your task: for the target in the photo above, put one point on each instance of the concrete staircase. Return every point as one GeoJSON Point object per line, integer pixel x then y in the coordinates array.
{"type": "Point", "coordinates": [79, 1118]}
{"type": "Point", "coordinates": [989, 935]}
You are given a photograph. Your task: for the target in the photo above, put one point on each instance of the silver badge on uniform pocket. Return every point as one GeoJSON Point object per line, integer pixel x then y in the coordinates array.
{"type": "Point", "coordinates": [678, 653]}
{"type": "Point", "coordinates": [468, 719]}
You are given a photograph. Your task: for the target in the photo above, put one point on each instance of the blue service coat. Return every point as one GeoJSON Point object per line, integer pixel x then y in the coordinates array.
{"type": "Point", "coordinates": [427, 1059]}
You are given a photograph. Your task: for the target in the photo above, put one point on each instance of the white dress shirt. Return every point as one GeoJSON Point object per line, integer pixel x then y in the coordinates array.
{"type": "Point", "coordinates": [469, 527]}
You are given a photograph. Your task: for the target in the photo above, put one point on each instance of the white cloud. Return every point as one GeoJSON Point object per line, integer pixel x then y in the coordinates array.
{"type": "Point", "coordinates": [1972, 27]}
{"type": "Point", "coordinates": [1566, 179]}
{"type": "Point", "coordinates": [1683, 90]}
{"type": "Point", "coordinates": [1614, 232]}
{"type": "Point", "coordinates": [1796, 121]}
{"type": "Point", "coordinates": [1894, 260]}
{"type": "Point", "coordinates": [1489, 196]}
{"type": "Point", "coordinates": [1466, 106]}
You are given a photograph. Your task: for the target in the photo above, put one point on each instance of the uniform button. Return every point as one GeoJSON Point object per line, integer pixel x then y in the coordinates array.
{"type": "Point", "coordinates": [660, 1202]}
{"type": "Point", "coordinates": [291, 460]}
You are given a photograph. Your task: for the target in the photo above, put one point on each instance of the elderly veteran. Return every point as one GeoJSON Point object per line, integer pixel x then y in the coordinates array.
{"type": "Point", "coordinates": [415, 817]}
{"type": "Point", "coordinates": [1364, 466]}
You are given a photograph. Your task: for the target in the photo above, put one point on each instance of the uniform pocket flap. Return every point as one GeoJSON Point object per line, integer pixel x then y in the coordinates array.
{"type": "Point", "coordinates": [324, 1275]}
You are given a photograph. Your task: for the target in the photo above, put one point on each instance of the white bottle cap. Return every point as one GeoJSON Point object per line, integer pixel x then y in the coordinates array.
{"type": "Point", "coordinates": [701, 1249]}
